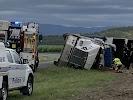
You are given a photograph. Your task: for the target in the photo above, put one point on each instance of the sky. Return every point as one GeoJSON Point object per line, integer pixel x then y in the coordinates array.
{"type": "Point", "coordinates": [85, 13]}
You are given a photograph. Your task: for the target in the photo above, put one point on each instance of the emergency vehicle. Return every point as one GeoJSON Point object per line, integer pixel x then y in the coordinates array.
{"type": "Point", "coordinates": [23, 39]}
{"type": "Point", "coordinates": [14, 75]}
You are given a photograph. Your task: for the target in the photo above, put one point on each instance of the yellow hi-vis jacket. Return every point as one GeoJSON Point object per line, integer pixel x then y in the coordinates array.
{"type": "Point", "coordinates": [117, 61]}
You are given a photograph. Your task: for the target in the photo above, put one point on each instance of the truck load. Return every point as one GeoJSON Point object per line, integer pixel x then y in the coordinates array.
{"type": "Point", "coordinates": [122, 45]}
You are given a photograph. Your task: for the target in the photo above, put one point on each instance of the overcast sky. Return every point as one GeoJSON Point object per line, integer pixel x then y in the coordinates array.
{"type": "Point", "coordinates": [86, 13]}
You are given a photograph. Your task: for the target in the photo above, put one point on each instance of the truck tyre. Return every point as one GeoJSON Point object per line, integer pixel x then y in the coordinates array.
{"type": "Point", "coordinates": [4, 91]}
{"type": "Point", "coordinates": [27, 90]}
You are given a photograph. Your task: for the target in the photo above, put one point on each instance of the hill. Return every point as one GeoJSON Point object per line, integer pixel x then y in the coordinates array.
{"type": "Point", "coordinates": [50, 29]}
{"type": "Point", "coordinates": [120, 32]}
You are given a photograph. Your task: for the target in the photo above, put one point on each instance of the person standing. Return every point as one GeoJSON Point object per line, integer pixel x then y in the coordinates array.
{"type": "Point", "coordinates": [131, 59]}
{"type": "Point", "coordinates": [126, 59]}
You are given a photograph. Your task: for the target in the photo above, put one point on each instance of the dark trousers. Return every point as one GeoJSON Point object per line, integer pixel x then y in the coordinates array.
{"type": "Point", "coordinates": [119, 66]}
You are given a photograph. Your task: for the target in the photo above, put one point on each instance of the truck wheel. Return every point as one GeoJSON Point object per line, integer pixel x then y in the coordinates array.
{"type": "Point", "coordinates": [4, 91]}
{"type": "Point", "coordinates": [27, 90]}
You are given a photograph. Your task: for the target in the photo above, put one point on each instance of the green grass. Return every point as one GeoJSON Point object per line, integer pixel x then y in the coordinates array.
{"type": "Point", "coordinates": [50, 48]}
{"type": "Point", "coordinates": [63, 83]}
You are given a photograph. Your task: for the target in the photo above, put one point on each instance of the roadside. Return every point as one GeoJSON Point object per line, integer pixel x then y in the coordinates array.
{"type": "Point", "coordinates": [47, 59]}
{"type": "Point", "coordinates": [62, 83]}
{"type": "Point", "coordinates": [120, 89]}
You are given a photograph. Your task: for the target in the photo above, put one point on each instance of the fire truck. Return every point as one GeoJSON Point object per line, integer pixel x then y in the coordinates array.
{"type": "Point", "coordinates": [22, 37]}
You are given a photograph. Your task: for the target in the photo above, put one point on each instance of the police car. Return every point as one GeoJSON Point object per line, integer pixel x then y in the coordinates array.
{"type": "Point", "coordinates": [14, 75]}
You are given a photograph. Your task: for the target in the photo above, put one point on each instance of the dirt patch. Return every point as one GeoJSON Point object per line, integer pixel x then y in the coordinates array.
{"type": "Point", "coordinates": [120, 89]}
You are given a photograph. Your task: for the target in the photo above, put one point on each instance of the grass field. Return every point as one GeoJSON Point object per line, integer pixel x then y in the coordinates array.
{"type": "Point", "coordinates": [50, 48]}
{"type": "Point", "coordinates": [63, 83]}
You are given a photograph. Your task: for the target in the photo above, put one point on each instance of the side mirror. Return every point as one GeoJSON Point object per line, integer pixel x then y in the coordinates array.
{"type": "Point", "coordinates": [7, 44]}
{"type": "Point", "coordinates": [40, 38]}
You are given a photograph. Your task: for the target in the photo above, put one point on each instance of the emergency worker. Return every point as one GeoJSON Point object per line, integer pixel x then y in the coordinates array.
{"type": "Point", "coordinates": [118, 64]}
{"type": "Point", "coordinates": [126, 59]}
{"type": "Point", "coordinates": [131, 59]}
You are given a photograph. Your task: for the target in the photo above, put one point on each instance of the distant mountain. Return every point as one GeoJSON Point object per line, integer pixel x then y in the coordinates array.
{"type": "Point", "coordinates": [49, 29]}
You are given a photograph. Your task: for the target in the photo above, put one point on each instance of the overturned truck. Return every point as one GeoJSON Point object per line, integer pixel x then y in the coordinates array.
{"type": "Point", "coordinates": [82, 52]}
{"type": "Point", "coordinates": [86, 53]}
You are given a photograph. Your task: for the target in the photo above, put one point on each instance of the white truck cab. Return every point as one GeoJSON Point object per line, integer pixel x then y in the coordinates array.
{"type": "Point", "coordinates": [14, 74]}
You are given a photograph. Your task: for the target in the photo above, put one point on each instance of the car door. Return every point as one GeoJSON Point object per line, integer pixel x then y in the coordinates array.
{"type": "Point", "coordinates": [16, 71]}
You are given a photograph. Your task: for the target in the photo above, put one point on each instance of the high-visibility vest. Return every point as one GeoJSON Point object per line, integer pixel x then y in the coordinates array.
{"type": "Point", "coordinates": [117, 61]}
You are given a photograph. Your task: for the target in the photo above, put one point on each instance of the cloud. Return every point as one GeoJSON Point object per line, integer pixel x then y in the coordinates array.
{"type": "Point", "coordinates": [7, 12]}
{"type": "Point", "coordinates": [69, 12]}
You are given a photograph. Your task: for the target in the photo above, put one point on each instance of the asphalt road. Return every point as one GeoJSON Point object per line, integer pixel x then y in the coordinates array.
{"type": "Point", "coordinates": [47, 59]}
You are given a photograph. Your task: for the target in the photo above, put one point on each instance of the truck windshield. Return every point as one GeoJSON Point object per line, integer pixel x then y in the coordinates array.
{"type": "Point", "coordinates": [14, 33]}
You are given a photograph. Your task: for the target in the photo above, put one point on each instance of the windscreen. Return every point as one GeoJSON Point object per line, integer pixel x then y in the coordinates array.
{"type": "Point", "coordinates": [14, 33]}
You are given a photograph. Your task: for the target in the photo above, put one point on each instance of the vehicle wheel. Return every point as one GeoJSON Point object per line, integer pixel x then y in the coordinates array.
{"type": "Point", "coordinates": [27, 90]}
{"type": "Point", "coordinates": [101, 66]}
{"type": "Point", "coordinates": [4, 91]}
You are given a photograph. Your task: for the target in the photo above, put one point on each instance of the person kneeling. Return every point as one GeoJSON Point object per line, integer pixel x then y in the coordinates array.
{"type": "Point", "coordinates": [118, 65]}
